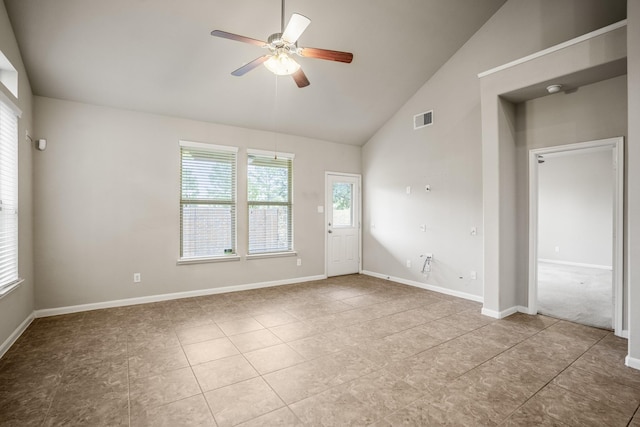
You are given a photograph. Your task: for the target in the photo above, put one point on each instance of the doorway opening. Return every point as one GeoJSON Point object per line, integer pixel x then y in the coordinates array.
{"type": "Point", "coordinates": [343, 218]}
{"type": "Point", "coordinates": [575, 232]}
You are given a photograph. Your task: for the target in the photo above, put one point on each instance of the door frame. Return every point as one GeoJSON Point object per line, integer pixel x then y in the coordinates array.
{"type": "Point", "coordinates": [358, 176]}
{"type": "Point", "coordinates": [617, 145]}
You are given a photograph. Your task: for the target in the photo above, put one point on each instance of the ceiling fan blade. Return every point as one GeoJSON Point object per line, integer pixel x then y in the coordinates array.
{"type": "Point", "coordinates": [238, 38]}
{"type": "Point", "coordinates": [300, 78]}
{"type": "Point", "coordinates": [331, 55]}
{"type": "Point", "coordinates": [250, 66]}
{"type": "Point", "coordinates": [296, 26]}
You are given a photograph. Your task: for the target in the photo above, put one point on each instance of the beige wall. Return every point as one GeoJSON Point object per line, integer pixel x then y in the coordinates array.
{"type": "Point", "coordinates": [448, 154]}
{"type": "Point", "coordinates": [575, 205]}
{"type": "Point", "coordinates": [18, 305]}
{"type": "Point", "coordinates": [633, 177]}
{"type": "Point", "coordinates": [107, 204]}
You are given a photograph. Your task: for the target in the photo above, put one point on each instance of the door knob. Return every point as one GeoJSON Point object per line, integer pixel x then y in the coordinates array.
{"type": "Point", "coordinates": [330, 231]}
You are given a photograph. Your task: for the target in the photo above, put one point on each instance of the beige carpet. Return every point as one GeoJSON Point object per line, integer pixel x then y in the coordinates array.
{"type": "Point", "coordinates": [579, 294]}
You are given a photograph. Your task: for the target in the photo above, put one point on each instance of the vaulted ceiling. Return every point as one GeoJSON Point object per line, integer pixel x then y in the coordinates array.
{"type": "Point", "coordinates": [158, 56]}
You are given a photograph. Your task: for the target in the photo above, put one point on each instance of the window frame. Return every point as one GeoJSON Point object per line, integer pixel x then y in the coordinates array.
{"type": "Point", "coordinates": [290, 251]}
{"type": "Point", "coordinates": [8, 108]}
{"type": "Point", "coordinates": [203, 201]}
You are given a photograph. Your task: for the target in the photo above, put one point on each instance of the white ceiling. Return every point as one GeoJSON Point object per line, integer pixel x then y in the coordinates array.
{"type": "Point", "coordinates": [158, 56]}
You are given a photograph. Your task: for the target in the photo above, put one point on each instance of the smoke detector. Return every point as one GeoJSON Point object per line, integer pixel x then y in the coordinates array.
{"type": "Point", "coordinates": [554, 88]}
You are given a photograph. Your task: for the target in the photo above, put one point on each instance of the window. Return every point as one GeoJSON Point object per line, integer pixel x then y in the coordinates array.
{"type": "Point", "coordinates": [208, 200]}
{"type": "Point", "coordinates": [269, 195]}
{"type": "Point", "coordinates": [8, 197]}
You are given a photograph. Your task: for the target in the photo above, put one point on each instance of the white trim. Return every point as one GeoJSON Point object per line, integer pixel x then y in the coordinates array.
{"type": "Point", "coordinates": [7, 289]}
{"type": "Point", "coordinates": [617, 145]}
{"type": "Point", "coordinates": [177, 295]}
{"type": "Point", "coordinates": [426, 286]}
{"type": "Point", "coordinates": [266, 153]}
{"type": "Point", "coordinates": [632, 362]}
{"type": "Point", "coordinates": [11, 104]}
{"type": "Point", "coordinates": [6, 345]}
{"type": "Point", "coordinates": [574, 41]}
{"type": "Point", "coordinates": [624, 334]}
{"type": "Point", "coordinates": [504, 313]}
{"type": "Point", "coordinates": [204, 260]}
{"type": "Point", "coordinates": [267, 255]}
{"type": "Point", "coordinates": [576, 264]}
{"type": "Point", "coordinates": [207, 146]}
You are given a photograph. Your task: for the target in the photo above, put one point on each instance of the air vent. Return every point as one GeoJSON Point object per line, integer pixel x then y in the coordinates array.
{"type": "Point", "coordinates": [423, 119]}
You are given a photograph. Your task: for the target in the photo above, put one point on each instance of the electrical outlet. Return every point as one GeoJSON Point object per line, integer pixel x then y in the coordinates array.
{"type": "Point", "coordinates": [557, 249]}
{"type": "Point", "coordinates": [299, 262]}
{"type": "Point", "coordinates": [408, 263]}
{"type": "Point", "coordinates": [474, 231]}
{"type": "Point", "coordinates": [137, 278]}
{"type": "Point", "coordinates": [473, 275]}
{"type": "Point", "coordinates": [408, 189]}
{"type": "Point", "coordinates": [423, 227]}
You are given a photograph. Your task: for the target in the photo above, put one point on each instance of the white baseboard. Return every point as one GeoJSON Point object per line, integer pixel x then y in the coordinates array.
{"type": "Point", "coordinates": [504, 313]}
{"type": "Point", "coordinates": [165, 297]}
{"type": "Point", "coordinates": [425, 286]}
{"type": "Point", "coordinates": [16, 334]}
{"type": "Point", "coordinates": [624, 334]}
{"type": "Point", "coordinates": [576, 264]}
{"type": "Point", "coordinates": [632, 362]}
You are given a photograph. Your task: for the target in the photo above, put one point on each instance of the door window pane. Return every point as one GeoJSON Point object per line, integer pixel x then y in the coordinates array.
{"type": "Point", "coordinates": [342, 204]}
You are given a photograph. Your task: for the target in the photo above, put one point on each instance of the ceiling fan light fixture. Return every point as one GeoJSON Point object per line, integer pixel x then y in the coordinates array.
{"type": "Point", "coordinates": [281, 64]}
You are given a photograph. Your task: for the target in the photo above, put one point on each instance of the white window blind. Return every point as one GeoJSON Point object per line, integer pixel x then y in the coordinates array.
{"type": "Point", "coordinates": [269, 195]}
{"type": "Point", "coordinates": [208, 200]}
{"type": "Point", "coordinates": [8, 196]}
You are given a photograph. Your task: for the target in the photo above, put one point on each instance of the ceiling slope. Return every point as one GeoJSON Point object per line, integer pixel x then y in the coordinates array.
{"type": "Point", "coordinates": [157, 56]}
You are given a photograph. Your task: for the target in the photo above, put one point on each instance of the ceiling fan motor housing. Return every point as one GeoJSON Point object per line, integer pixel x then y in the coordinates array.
{"type": "Point", "coordinates": [276, 44]}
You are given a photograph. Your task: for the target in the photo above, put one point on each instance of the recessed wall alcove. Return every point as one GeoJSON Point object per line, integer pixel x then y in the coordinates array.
{"type": "Point", "coordinates": [592, 58]}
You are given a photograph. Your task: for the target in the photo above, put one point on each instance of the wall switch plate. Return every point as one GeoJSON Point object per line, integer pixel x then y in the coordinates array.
{"type": "Point", "coordinates": [320, 209]}
{"type": "Point", "coordinates": [137, 278]}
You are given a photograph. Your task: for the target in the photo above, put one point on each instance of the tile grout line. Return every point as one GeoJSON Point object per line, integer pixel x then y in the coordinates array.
{"type": "Point", "coordinates": [196, 378]}
{"type": "Point", "coordinates": [128, 382]}
{"type": "Point", "coordinates": [554, 377]}
{"type": "Point", "coordinates": [475, 367]}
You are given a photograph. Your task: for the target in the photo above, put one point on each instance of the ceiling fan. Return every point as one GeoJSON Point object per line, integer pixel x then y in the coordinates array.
{"type": "Point", "coordinates": [281, 47]}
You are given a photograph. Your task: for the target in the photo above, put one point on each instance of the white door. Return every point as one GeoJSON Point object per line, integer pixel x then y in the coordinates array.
{"type": "Point", "coordinates": [343, 224]}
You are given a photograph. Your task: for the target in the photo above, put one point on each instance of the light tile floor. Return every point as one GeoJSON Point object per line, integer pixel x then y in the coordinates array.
{"type": "Point", "coordinates": [350, 350]}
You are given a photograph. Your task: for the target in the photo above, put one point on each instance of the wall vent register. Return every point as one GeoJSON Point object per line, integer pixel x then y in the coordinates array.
{"type": "Point", "coordinates": [423, 119]}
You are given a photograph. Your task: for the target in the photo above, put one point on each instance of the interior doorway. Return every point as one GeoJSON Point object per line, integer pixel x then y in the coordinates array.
{"type": "Point", "coordinates": [343, 217]}
{"type": "Point", "coordinates": [575, 219]}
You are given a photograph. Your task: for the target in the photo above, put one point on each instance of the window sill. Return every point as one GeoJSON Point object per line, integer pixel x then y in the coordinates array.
{"type": "Point", "coordinates": [9, 288]}
{"type": "Point", "coordinates": [203, 260]}
{"type": "Point", "coordinates": [271, 255]}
